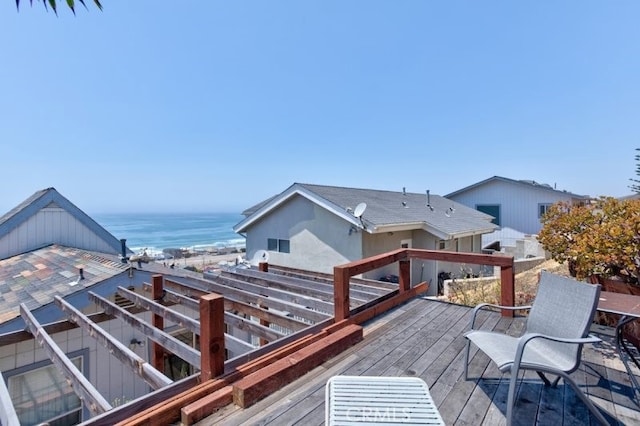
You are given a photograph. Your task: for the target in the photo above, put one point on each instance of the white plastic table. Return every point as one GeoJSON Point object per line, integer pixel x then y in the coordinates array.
{"type": "Point", "coordinates": [352, 400]}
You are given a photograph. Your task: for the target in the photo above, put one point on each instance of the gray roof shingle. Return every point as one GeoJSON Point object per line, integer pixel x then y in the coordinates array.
{"type": "Point", "coordinates": [388, 208]}
{"type": "Point", "coordinates": [34, 278]}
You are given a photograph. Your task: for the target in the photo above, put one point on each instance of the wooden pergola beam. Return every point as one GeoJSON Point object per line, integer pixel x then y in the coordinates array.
{"type": "Point", "coordinates": [167, 341]}
{"type": "Point", "coordinates": [80, 384]}
{"type": "Point", "coordinates": [318, 289]}
{"type": "Point", "coordinates": [269, 302]}
{"type": "Point", "coordinates": [229, 304]}
{"type": "Point", "coordinates": [158, 309]}
{"type": "Point", "coordinates": [298, 299]}
{"type": "Point", "coordinates": [122, 352]}
{"type": "Point", "coordinates": [233, 344]}
{"type": "Point", "coordinates": [229, 318]}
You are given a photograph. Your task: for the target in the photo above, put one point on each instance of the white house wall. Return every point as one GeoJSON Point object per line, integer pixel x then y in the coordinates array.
{"type": "Point", "coordinates": [375, 244]}
{"type": "Point", "coordinates": [518, 203]}
{"type": "Point", "coordinates": [47, 226]}
{"type": "Point", "coordinates": [114, 381]}
{"type": "Point", "coordinates": [425, 270]}
{"type": "Point", "coordinates": [319, 240]}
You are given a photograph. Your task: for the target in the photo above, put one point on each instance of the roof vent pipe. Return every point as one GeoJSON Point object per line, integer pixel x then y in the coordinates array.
{"type": "Point", "coordinates": [123, 247]}
{"type": "Point", "coordinates": [429, 201]}
{"type": "Point", "coordinates": [81, 270]}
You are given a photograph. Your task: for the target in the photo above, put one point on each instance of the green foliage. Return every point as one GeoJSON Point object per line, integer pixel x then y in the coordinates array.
{"type": "Point", "coordinates": [471, 292]}
{"type": "Point", "coordinates": [601, 238]}
{"type": "Point", "coordinates": [70, 3]}
{"type": "Point", "coordinates": [635, 186]}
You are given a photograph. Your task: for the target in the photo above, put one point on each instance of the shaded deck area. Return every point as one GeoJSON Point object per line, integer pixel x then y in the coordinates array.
{"type": "Point", "coordinates": [423, 338]}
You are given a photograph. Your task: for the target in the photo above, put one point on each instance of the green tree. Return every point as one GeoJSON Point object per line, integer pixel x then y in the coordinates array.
{"type": "Point", "coordinates": [602, 238]}
{"type": "Point", "coordinates": [635, 186]}
{"type": "Point", "coordinates": [53, 4]}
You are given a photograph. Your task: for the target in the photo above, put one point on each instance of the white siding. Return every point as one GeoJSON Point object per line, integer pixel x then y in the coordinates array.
{"type": "Point", "coordinates": [51, 225]}
{"type": "Point", "coordinates": [518, 203]}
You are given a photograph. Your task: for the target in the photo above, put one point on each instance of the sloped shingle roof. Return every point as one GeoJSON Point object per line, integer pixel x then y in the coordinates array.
{"type": "Point", "coordinates": [385, 209]}
{"type": "Point", "coordinates": [34, 278]}
{"type": "Point", "coordinates": [529, 183]}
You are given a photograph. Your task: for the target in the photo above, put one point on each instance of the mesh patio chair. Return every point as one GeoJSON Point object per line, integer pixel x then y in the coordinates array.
{"type": "Point", "coordinates": [555, 331]}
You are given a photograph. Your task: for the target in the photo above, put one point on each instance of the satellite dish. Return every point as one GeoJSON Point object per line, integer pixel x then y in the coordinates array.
{"type": "Point", "coordinates": [260, 256]}
{"type": "Point", "coordinates": [359, 210]}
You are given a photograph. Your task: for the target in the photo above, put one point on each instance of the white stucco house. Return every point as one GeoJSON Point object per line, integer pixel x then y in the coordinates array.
{"type": "Point", "coordinates": [515, 204]}
{"type": "Point", "coordinates": [316, 227]}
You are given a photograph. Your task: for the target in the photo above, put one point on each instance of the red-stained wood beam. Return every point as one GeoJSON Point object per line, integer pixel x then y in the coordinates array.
{"type": "Point", "coordinates": [157, 351]}
{"type": "Point", "coordinates": [211, 336]}
{"type": "Point", "coordinates": [404, 275]}
{"type": "Point", "coordinates": [341, 275]}
{"type": "Point", "coordinates": [256, 386]}
{"type": "Point", "coordinates": [507, 289]}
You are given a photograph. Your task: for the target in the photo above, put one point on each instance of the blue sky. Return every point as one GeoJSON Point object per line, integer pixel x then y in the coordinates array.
{"type": "Point", "coordinates": [217, 105]}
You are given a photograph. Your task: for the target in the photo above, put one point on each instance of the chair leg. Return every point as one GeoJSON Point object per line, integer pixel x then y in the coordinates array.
{"type": "Point", "coordinates": [586, 400]}
{"type": "Point", "coordinates": [513, 385]}
{"type": "Point", "coordinates": [546, 381]}
{"type": "Point", "coordinates": [466, 360]}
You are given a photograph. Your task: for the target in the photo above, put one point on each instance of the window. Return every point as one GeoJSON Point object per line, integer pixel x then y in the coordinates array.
{"type": "Point", "coordinates": [278, 245]}
{"type": "Point", "coordinates": [491, 210]}
{"type": "Point", "coordinates": [283, 246]}
{"type": "Point", "coordinates": [40, 394]}
{"type": "Point", "coordinates": [542, 209]}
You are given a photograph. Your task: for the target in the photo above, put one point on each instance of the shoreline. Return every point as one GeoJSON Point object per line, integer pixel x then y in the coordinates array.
{"type": "Point", "coordinates": [202, 260]}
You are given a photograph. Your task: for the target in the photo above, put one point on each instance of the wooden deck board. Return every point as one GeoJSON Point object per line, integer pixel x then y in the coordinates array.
{"type": "Point", "coordinates": [424, 338]}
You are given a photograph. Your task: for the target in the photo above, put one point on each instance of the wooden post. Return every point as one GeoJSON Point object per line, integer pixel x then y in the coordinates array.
{"type": "Point", "coordinates": [404, 276]}
{"type": "Point", "coordinates": [507, 289]}
{"type": "Point", "coordinates": [211, 336]}
{"type": "Point", "coordinates": [341, 278]}
{"type": "Point", "coordinates": [263, 267]}
{"type": "Point", "coordinates": [157, 351]}
{"type": "Point", "coordinates": [266, 323]}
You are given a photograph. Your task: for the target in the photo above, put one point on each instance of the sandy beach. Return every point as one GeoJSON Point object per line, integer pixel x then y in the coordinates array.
{"type": "Point", "coordinates": [201, 261]}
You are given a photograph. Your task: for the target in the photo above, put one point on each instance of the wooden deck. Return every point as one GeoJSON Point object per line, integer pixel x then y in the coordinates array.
{"type": "Point", "coordinates": [423, 338]}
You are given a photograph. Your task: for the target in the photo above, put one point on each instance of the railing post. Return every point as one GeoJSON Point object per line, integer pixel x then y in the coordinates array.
{"type": "Point", "coordinates": [404, 281]}
{"type": "Point", "coordinates": [157, 351]}
{"type": "Point", "coordinates": [341, 293]}
{"type": "Point", "coordinates": [211, 336]}
{"type": "Point", "coordinates": [266, 323]}
{"type": "Point", "coordinates": [507, 289]}
{"type": "Point", "coordinates": [263, 267]}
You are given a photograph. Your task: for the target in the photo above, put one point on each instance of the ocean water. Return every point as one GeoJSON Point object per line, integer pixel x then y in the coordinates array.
{"type": "Point", "coordinates": [156, 231]}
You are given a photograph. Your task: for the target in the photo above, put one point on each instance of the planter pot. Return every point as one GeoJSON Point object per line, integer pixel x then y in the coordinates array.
{"type": "Point", "coordinates": [631, 331]}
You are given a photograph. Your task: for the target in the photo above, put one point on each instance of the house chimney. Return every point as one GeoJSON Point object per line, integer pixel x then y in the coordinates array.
{"type": "Point", "coordinates": [123, 245]}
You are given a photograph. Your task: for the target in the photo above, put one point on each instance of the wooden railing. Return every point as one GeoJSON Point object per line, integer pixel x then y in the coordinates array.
{"type": "Point", "coordinates": [343, 273]}
{"type": "Point", "coordinates": [212, 305]}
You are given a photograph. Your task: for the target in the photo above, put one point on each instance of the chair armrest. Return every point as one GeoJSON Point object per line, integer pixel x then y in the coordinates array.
{"type": "Point", "coordinates": [481, 306]}
{"type": "Point", "coordinates": [582, 340]}
{"type": "Point", "coordinates": [526, 338]}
